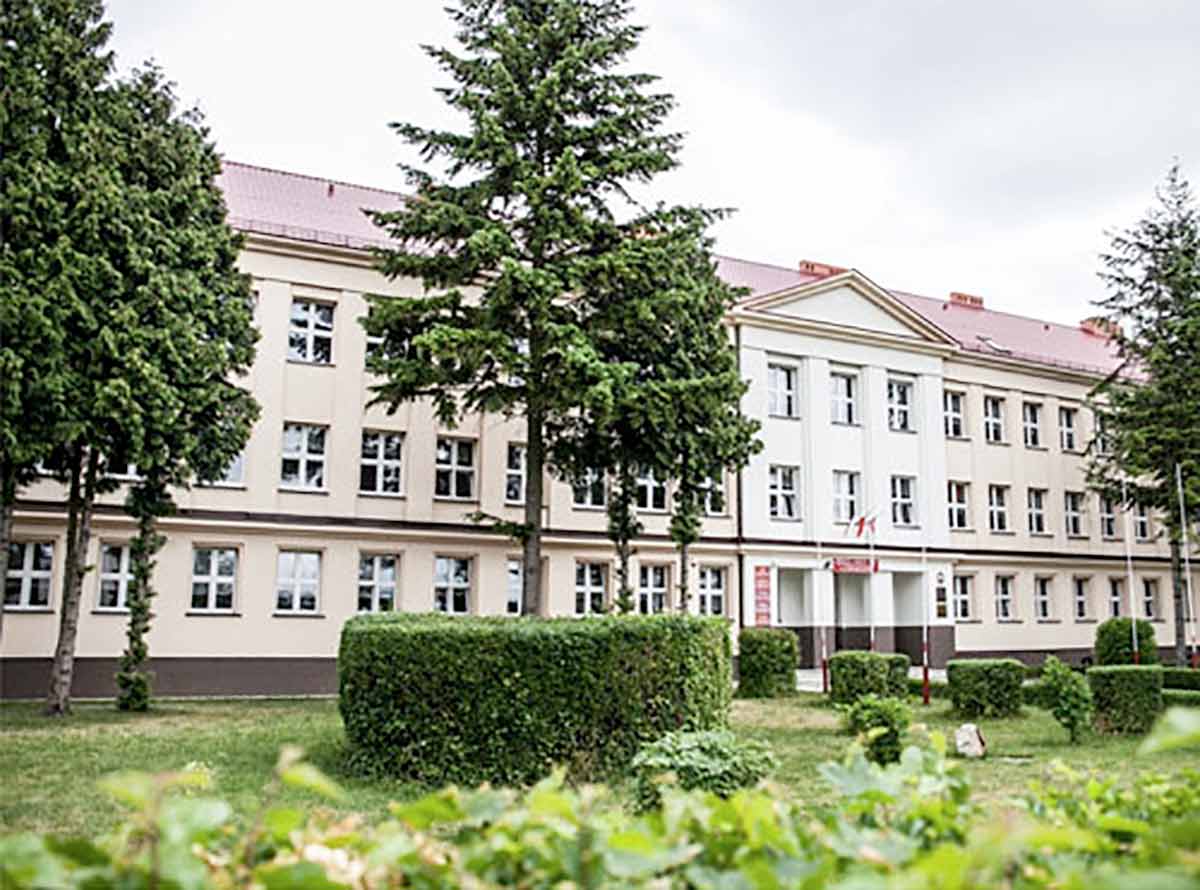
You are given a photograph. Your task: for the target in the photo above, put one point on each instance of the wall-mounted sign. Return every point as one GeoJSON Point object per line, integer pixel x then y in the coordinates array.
{"type": "Point", "coordinates": [762, 596]}
{"type": "Point", "coordinates": [855, 566]}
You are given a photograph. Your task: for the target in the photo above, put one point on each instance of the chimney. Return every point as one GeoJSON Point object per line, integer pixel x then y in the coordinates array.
{"type": "Point", "coordinates": [1099, 326]}
{"type": "Point", "coordinates": [820, 270]}
{"type": "Point", "coordinates": [970, 301]}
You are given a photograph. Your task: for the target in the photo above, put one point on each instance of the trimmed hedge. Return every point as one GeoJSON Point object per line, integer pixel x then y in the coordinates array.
{"type": "Point", "coordinates": [1114, 642]}
{"type": "Point", "coordinates": [713, 760]}
{"type": "Point", "coordinates": [854, 673]}
{"type": "Point", "coordinates": [1181, 678]}
{"type": "Point", "coordinates": [1128, 697]}
{"type": "Point", "coordinates": [1182, 698]}
{"type": "Point", "coordinates": [439, 699]}
{"type": "Point", "coordinates": [767, 660]}
{"type": "Point", "coordinates": [937, 688]}
{"type": "Point", "coordinates": [1035, 694]}
{"type": "Point", "coordinates": [985, 687]}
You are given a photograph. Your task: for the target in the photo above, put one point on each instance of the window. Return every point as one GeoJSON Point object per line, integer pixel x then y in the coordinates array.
{"type": "Point", "coordinates": [993, 419]}
{"type": "Point", "coordinates": [455, 469]}
{"type": "Point", "coordinates": [514, 474]}
{"type": "Point", "coordinates": [1102, 443]}
{"type": "Point", "coordinates": [956, 497]}
{"type": "Point", "coordinates": [214, 578]}
{"type": "Point", "coordinates": [1066, 429]}
{"type": "Point", "coordinates": [1108, 517]}
{"type": "Point", "coordinates": [1141, 523]}
{"type": "Point", "coordinates": [714, 496]}
{"type": "Point", "coordinates": [900, 402]}
{"type": "Point", "coordinates": [377, 583]}
{"type": "Point", "coordinates": [1036, 502]}
{"type": "Point", "coordinates": [652, 589]}
{"type": "Point", "coordinates": [515, 570]}
{"type": "Point", "coordinates": [711, 587]}
{"type": "Point", "coordinates": [1149, 598]}
{"type": "Point", "coordinates": [235, 472]}
{"type": "Point", "coordinates": [452, 584]}
{"type": "Point", "coordinates": [941, 603]}
{"type": "Point", "coordinates": [845, 398]}
{"type": "Point", "coordinates": [845, 495]}
{"type": "Point", "coordinates": [1043, 608]}
{"type": "Point", "coordinates": [1031, 415]}
{"type": "Point", "coordinates": [1081, 600]}
{"type": "Point", "coordinates": [954, 413]}
{"type": "Point", "coordinates": [962, 597]}
{"type": "Point", "coordinates": [379, 463]}
{"type": "Point", "coordinates": [904, 503]}
{"type": "Point", "coordinates": [1073, 512]}
{"type": "Point", "coordinates": [1116, 593]}
{"type": "Point", "coordinates": [375, 342]}
{"type": "Point", "coordinates": [1005, 610]}
{"type": "Point", "coordinates": [303, 456]}
{"type": "Point", "coordinates": [590, 588]}
{"type": "Point", "coordinates": [998, 508]}
{"type": "Point", "coordinates": [114, 577]}
{"type": "Point", "coordinates": [651, 493]}
{"type": "Point", "coordinates": [781, 391]}
{"type": "Point", "coordinates": [120, 469]}
{"type": "Point", "coordinates": [27, 583]}
{"type": "Point", "coordinates": [298, 582]}
{"type": "Point", "coordinates": [589, 491]}
{"type": "Point", "coordinates": [310, 332]}
{"type": "Point", "coordinates": [783, 493]}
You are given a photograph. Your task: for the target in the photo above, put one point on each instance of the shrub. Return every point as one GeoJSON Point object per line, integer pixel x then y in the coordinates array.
{"type": "Point", "coordinates": [713, 760]}
{"type": "Point", "coordinates": [1128, 697]}
{"type": "Point", "coordinates": [1181, 698]}
{"type": "Point", "coordinates": [1114, 642]}
{"type": "Point", "coordinates": [1181, 678]}
{"type": "Point", "coordinates": [937, 688]}
{"type": "Point", "coordinates": [1035, 694]}
{"type": "Point", "coordinates": [767, 660]}
{"type": "Point", "coordinates": [436, 699]}
{"type": "Point", "coordinates": [853, 674]}
{"type": "Point", "coordinates": [985, 687]}
{"type": "Point", "coordinates": [1067, 696]}
{"type": "Point", "coordinates": [882, 722]}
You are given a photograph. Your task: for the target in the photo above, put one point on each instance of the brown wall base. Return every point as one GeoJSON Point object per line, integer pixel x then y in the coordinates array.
{"type": "Point", "coordinates": [1166, 655]}
{"type": "Point", "coordinates": [30, 677]}
{"type": "Point", "coordinates": [941, 644]}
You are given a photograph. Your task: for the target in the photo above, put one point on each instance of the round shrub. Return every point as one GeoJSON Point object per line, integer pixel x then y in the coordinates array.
{"type": "Point", "coordinates": [1128, 697]}
{"type": "Point", "coordinates": [985, 687]}
{"type": "Point", "coordinates": [1181, 678]}
{"type": "Point", "coordinates": [854, 673]}
{"type": "Point", "coordinates": [440, 699]}
{"type": "Point", "coordinates": [1067, 696]}
{"type": "Point", "coordinates": [882, 723]}
{"type": "Point", "coordinates": [767, 659]}
{"type": "Point", "coordinates": [713, 760]}
{"type": "Point", "coordinates": [1114, 642]}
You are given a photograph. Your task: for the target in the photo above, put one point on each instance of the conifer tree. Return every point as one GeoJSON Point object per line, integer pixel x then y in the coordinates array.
{"type": "Point", "coordinates": [1148, 408]}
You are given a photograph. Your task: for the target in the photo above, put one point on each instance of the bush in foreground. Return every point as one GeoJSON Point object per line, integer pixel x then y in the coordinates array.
{"type": "Point", "coordinates": [881, 724]}
{"type": "Point", "coordinates": [713, 761]}
{"type": "Point", "coordinates": [854, 673]}
{"type": "Point", "coordinates": [1128, 697]}
{"type": "Point", "coordinates": [1067, 696]}
{"type": "Point", "coordinates": [985, 687]}
{"type": "Point", "coordinates": [440, 699]}
{"type": "Point", "coordinates": [767, 660]}
{"type": "Point", "coordinates": [1114, 642]}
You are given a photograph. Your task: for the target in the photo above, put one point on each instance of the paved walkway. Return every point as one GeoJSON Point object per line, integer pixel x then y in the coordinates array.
{"type": "Point", "coordinates": [809, 679]}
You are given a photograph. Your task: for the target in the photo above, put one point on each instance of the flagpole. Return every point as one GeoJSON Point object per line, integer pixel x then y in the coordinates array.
{"type": "Point", "coordinates": [924, 628]}
{"type": "Point", "coordinates": [821, 626]}
{"type": "Point", "coordinates": [870, 597]}
{"type": "Point", "coordinates": [1133, 616]}
{"type": "Point", "coordinates": [1189, 607]}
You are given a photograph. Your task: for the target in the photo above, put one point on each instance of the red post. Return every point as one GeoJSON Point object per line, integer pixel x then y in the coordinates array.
{"type": "Point", "coordinates": [825, 676]}
{"type": "Point", "coordinates": [925, 673]}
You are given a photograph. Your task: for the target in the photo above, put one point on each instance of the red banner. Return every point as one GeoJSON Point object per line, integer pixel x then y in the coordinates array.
{"type": "Point", "coordinates": [855, 566]}
{"type": "Point", "coordinates": [762, 596]}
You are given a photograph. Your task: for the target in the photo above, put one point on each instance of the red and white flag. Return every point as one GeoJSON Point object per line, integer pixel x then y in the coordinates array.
{"type": "Point", "coordinates": [863, 523]}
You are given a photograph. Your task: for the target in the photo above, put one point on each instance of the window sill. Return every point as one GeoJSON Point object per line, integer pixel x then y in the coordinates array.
{"type": "Point", "coordinates": [1078, 537]}
{"type": "Point", "coordinates": [446, 499]}
{"type": "Point", "coordinates": [1001, 531]}
{"type": "Point", "coordinates": [902, 432]}
{"type": "Point", "coordinates": [229, 486]}
{"type": "Point", "coordinates": [105, 611]}
{"type": "Point", "coordinates": [589, 507]}
{"type": "Point", "coordinates": [900, 527]}
{"type": "Point", "coordinates": [520, 503]}
{"type": "Point", "coordinates": [850, 423]}
{"type": "Point", "coordinates": [1010, 621]}
{"type": "Point", "coordinates": [1085, 620]}
{"type": "Point", "coordinates": [962, 529]}
{"type": "Point", "coordinates": [211, 613]}
{"type": "Point", "coordinates": [1029, 447]}
{"type": "Point", "coordinates": [1000, 442]}
{"type": "Point", "coordinates": [296, 489]}
{"type": "Point", "coordinates": [784, 417]}
{"type": "Point", "coordinates": [958, 438]}
{"type": "Point", "coordinates": [794, 519]}
{"type": "Point", "coordinates": [1049, 621]}
{"type": "Point", "coordinates": [1110, 540]}
{"type": "Point", "coordinates": [278, 614]}
{"type": "Point", "coordinates": [644, 511]}
{"type": "Point", "coordinates": [311, 364]}
{"type": "Point", "coordinates": [968, 621]}
{"type": "Point", "coordinates": [1041, 534]}
{"type": "Point", "coordinates": [385, 495]}
{"type": "Point", "coordinates": [28, 610]}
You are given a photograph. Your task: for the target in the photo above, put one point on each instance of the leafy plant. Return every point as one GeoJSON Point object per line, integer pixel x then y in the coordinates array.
{"type": "Point", "coordinates": [1067, 696]}
{"type": "Point", "coordinates": [767, 660]}
{"type": "Point", "coordinates": [880, 723]}
{"type": "Point", "coordinates": [985, 687]}
{"type": "Point", "coordinates": [853, 674]}
{"type": "Point", "coordinates": [714, 761]}
{"type": "Point", "coordinates": [1128, 697]}
{"type": "Point", "coordinates": [1114, 642]}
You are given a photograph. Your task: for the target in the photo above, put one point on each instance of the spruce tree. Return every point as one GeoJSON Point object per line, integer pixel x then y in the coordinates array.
{"type": "Point", "coordinates": [1148, 408]}
{"type": "Point", "coordinates": [507, 219]}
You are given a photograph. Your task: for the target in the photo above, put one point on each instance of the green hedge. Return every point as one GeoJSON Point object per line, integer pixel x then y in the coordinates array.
{"type": "Point", "coordinates": [985, 687]}
{"type": "Point", "coordinates": [713, 760]}
{"type": "Point", "coordinates": [1181, 678]}
{"type": "Point", "coordinates": [881, 723]}
{"type": "Point", "coordinates": [1182, 698]}
{"type": "Point", "coordinates": [436, 699]}
{"type": "Point", "coordinates": [1114, 642]}
{"type": "Point", "coordinates": [937, 688]}
{"type": "Point", "coordinates": [767, 661]}
{"type": "Point", "coordinates": [1035, 694]}
{"type": "Point", "coordinates": [1128, 697]}
{"type": "Point", "coordinates": [854, 673]}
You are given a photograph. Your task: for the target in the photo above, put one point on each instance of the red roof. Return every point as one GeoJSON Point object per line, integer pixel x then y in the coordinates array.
{"type": "Point", "coordinates": [325, 211]}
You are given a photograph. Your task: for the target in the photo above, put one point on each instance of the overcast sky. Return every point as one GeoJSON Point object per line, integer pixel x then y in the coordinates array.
{"type": "Point", "coordinates": [974, 145]}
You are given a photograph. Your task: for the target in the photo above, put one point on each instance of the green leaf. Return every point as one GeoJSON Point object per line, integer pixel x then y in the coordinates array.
{"type": "Point", "coordinates": [308, 777]}
{"type": "Point", "coordinates": [1177, 728]}
{"type": "Point", "coordinates": [296, 876]}
{"type": "Point", "coordinates": [282, 821]}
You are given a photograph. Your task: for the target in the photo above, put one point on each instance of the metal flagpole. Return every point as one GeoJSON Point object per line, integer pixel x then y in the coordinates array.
{"type": "Point", "coordinates": [1133, 616]}
{"type": "Point", "coordinates": [924, 628]}
{"type": "Point", "coordinates": [1185, 527]}
{"type": "Point", "coordinates": [870, 597]}
{"type": "Point", "coordinates": [821, 627]}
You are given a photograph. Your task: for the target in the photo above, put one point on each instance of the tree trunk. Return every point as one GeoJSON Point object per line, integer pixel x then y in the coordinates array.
{"type": "Point", "coordinates": [1180, 589]}
{"type": "Point", "coordinates": [147, 502]}
{"type": "Point", "coordinates": [685, 549]}
{"type": "Point", "coordinates": [81, 498]}
{"type": "Point", "coordinates": [535, 461]}
{"type": "Point", "coordinates": [622, 527]}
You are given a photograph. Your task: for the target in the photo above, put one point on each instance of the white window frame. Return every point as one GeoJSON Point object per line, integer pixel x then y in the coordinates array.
{"type": "Point", "coordinates": [591, 597]}
{"type": "Point", "coordinates": [958, 504]}
{"type": "Point", "coordinates": [386, 468]}
{"type": "Point", "coordinates": [1116, 596]}
{"type": "Point", "coordinates": [305, 327]}
{"type": "Point", "coordinates": [900, 402]}
{"type": "Point", "coordinates": [449, 466]}
{"type": "Point", "coordinates": [214, 579]}
{"type": "Point", "coordinates": [1043, 597]}
{"type": "Point", "coordinates": [1141, 523]}
{"type": "Point", "coordinates": [514, 471]}
{"type": "Point", "coordinates": [1006, 606]}
{"type": "Point", "coordinates": [998, 501]}
{"type": "Point", "coordinates": [846, 485]}
{"type": "Point", "coordinates": [373, 584]}
{"type": "Point", "coordinates": [993, 420]}
{"type": "Point", "coordinates": [714, 499]}
{"type": "Point", "coordinates": [26, 575]}
{"type": "Point", "coordinates": [1031, 419]}
{"type": "Point", "coordinates": [710, 587]}
{"type": "Point", "coordinates": [234, 475]}
{"type": "Point", "coordinates": [653, 594]}
{"type": "Point", "coordinates": [1081, 597]}
{"type": "Point", "coordinates": [1150, 604]}
{"type": "Point", "coordinates": [783, 492]}
{"type": "Point", "coordinates": [122, 577]}
{"type": "Point", "coordinates": [904, 502]}
{"type": "Point", "coordinates": [514, 570]}
{"type": "Point", "coordinates": [447, 585]}
{"type": "Point", "coordinates": [1068, 438]}
{"type": "Point", "coordinates": [1035, 506]}
{"type": "Point", "coordinates": [594, 489]}
{"type": "Point", "coordinates": [844, 399]}
{"type": "Point", "coordinates": [783, 398]}
{"type": "Point", "coordinates": [651, 494]}
{"type": "Point", "coordinates": [1103, 444]}
{"type": "Point", "coordinates": [1073, 508]}
{"type": "Point", "coordinates": [306, 457]}
{"type": "Point", "coordinates": [963, 594]}
{"type": "Point", "coordinates": [954, 415]}
{"type": "Point", "coordinates": [296, 583]}
{"type": "Point", "coordinates": [1107, 512]}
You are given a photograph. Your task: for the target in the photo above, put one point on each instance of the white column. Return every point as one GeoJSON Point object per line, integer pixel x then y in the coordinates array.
{"type": "Point", "coordinates": [881, 593]}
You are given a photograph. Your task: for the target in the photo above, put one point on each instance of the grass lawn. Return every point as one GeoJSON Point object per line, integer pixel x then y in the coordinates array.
{"type": "Point", "coordinates": [48, 769]}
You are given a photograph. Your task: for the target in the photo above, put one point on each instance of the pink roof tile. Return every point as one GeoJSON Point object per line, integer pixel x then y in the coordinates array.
{"type": "Point", "coordinates": [324, 211]}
